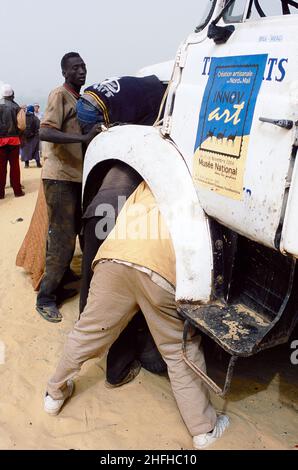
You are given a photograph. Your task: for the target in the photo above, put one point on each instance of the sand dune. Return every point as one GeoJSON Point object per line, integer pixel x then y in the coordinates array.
{"type": "Point", "coordinates": [140, 415]}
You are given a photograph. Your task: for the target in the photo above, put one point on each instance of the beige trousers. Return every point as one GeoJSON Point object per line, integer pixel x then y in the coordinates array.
{"type": "Point", "coordinates": [116, 293]}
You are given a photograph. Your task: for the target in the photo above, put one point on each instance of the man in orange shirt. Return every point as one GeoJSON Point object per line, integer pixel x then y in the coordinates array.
{"type": "Point", "coordinates": [135, 269]}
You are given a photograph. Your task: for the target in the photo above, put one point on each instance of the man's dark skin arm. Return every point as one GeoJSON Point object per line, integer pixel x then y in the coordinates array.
{"type": "Point", "coordinates": [49, 134]}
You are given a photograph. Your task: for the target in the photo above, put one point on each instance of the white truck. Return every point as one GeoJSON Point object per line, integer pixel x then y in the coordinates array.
{"type": "Point", "coordinates": [222, 166]}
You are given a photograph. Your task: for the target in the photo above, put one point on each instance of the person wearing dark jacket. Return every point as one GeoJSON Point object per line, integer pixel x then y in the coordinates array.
{"type": "Point", "coordinates": [10, 129]}
{"type": "Point", "coordinates": [124, 100]}
{"type": "Point", "coordinates": [115, 101]}
{"type": "Point", "coordinates": [30, 139]}
{"type": "Point", "coordinates": [118, 101]}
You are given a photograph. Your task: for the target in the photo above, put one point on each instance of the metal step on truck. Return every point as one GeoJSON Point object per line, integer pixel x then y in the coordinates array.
{"type": "Point", "coordinates": [222, 167]}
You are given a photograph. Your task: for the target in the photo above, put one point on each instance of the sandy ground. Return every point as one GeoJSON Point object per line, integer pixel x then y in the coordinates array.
{"type": "Point", "coordinates": [262, 403]}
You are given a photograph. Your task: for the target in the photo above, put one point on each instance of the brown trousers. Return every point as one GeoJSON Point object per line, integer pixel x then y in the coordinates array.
{"type": "Point", "coordinates": [116, 293]}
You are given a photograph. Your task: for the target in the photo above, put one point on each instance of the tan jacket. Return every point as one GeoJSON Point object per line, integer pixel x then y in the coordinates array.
{"type": "Point", "coordinates": [141, 237]}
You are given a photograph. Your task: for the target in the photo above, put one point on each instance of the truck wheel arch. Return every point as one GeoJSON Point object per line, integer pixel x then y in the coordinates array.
{"type": "Point", "coordinates": [163, 168]}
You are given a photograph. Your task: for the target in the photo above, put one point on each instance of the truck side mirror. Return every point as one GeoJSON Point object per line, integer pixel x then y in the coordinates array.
{"type": "Point", "coordinates": [220, 34]}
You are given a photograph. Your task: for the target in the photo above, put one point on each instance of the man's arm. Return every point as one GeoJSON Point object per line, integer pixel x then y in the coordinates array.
{"type": "Point", "coordinates": [49, 134]}
{"type": "Point", "coordinates": [51, 125]}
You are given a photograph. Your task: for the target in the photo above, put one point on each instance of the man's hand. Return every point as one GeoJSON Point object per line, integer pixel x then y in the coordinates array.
{"type": "Point", "coordinates": [96, 129]}
{"type": "Point", "coordinates": [49, 134]}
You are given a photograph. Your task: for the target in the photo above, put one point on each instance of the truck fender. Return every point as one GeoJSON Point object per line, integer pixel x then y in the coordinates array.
{"type": "Point", "coordinates": [165, 171]}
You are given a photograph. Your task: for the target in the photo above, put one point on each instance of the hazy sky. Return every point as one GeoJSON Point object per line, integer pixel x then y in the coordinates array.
{"type": "Point", "coordinates": [113, 37]}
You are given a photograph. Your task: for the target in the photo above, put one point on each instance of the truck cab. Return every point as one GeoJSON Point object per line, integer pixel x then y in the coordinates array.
{"type": "Point", "coordinates": [222, 167]}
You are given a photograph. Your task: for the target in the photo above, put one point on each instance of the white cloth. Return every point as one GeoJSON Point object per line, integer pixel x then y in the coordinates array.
{"type": "Point", "coordinates": [156, 278]}
{"type": "Point", "coordinates": [6, 90]}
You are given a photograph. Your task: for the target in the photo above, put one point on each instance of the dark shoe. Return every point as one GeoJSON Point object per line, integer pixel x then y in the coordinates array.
{"type": "Point", "coordinates": [38, 165]}
{"type": "Point", "coordinates": [49, 313]}
{"type": "Point", "coordinates": [134, 370]}
{"type": "Point", "coordinates": [20, 194]}
{"type": "Point", "coordinates": [64, 294]}
{"type": "Point", "coordinates": [26, 165]}
{"type": "Point", "coordinates": [70, 276]}
{"type": "Point", "coordinates": [2, 197]}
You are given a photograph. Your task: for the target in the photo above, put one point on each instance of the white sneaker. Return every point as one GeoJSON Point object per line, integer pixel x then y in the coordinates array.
{"type": "Point", "coordinates": [204, 440]}
{"type": "Point", "coordinates": [51, 406]}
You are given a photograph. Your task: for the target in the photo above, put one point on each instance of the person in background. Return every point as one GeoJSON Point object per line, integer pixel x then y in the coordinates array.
{"type": "Point", "coordinates": [138, 272]}
{"type": "Point", "coordinates": [30, 139]}
{"type": "Point", "coordinates": [62, 176]}
{"type": "Point", "coordinates": [12, 123]}
{"type": "Point", "coordinates": [37, 111]}
{"type": "Point", "coordinates": [39, 115]}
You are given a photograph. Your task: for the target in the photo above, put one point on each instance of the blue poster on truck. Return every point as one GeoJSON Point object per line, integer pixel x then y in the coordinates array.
{"type": "Point", "coordinates": [225, 121]}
